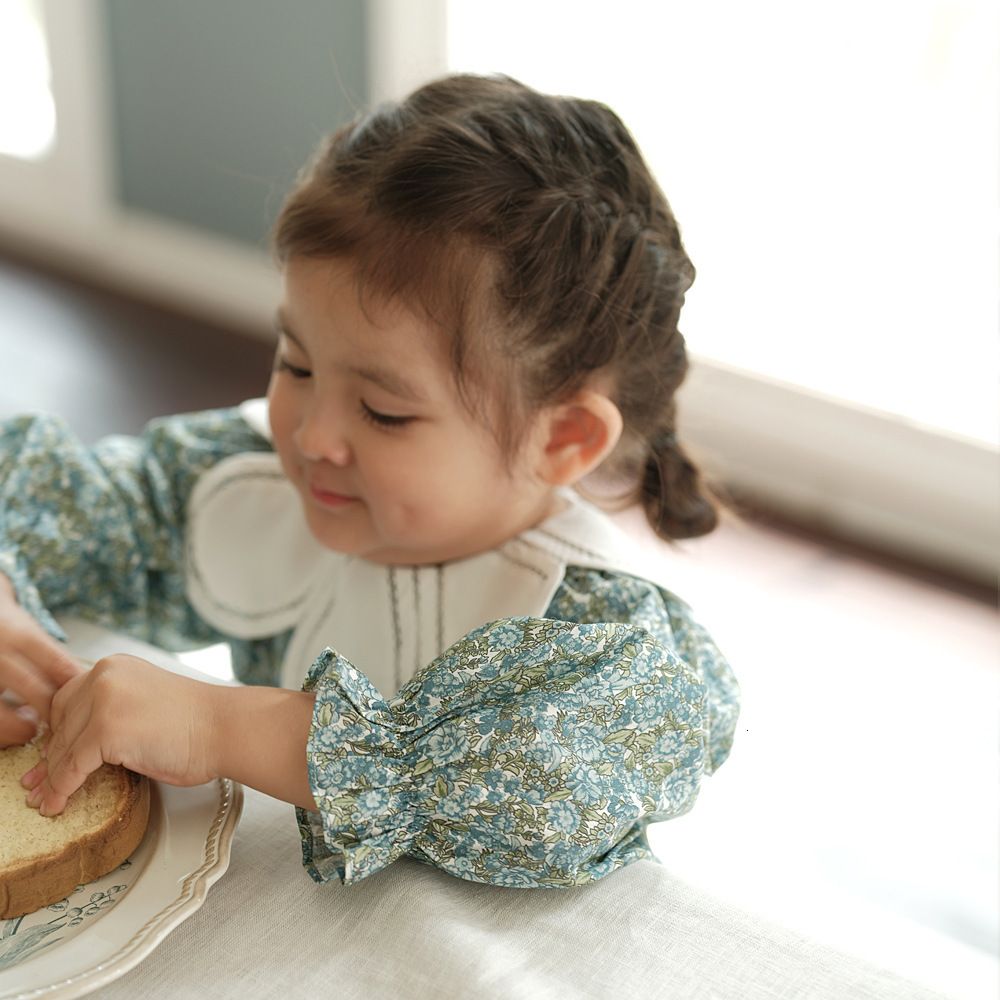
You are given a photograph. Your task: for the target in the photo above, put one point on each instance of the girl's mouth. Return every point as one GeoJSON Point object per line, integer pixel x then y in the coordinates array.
{"type": "Point", "coordinates": [325, 498]}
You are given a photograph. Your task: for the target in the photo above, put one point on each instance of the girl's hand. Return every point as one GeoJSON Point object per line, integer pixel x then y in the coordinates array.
{"type": "Point", "coordinates": [32, 665]}
{"type": "Point", "coordinates": [125, 711]}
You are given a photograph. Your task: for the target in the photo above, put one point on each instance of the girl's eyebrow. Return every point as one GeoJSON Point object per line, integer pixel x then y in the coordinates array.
{"type": "Point", "coordinates": [282, 329]}
{"type": "Point", "coordinates": [383, 377]}
{"type": "Point", "coordinates": [388, 380]}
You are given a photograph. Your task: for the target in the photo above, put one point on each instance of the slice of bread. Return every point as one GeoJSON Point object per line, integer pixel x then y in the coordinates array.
{"type": "Point", "coordinates": [43, 859]}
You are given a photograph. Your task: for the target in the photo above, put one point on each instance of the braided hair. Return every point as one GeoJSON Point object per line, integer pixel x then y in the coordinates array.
{"type": "Point", "coordinates": [530, 229]}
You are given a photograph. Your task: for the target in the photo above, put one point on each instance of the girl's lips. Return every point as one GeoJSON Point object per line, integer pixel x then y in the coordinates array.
{"type": "Point", "coordinates": [327, 499]}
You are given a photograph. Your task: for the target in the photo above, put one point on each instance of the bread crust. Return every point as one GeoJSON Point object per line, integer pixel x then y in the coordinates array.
{"type": "Point", "coordinates": [32, 884]}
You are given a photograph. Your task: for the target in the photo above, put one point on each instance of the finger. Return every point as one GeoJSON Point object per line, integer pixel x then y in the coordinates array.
{"type": "Point", "coordinates": [38, 774]}
{"type": "Point", "coordinates": [70, 717]}
{"type": "Point", "coordinates": [67, 773]}
{"type": "Point", "coordinates": [65, 703]}
{"type": "Point", "coordinates": [21, 677]}
{"type": "Point", "coordinates": [33, 778]}
{"type": "Point", "coordinates": [51, 657]}
{"type": "Point", "coordinates": [15, 726]}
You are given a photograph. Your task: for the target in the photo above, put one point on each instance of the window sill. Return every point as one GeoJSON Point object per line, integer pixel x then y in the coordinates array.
{"type": "Point", "coordinates": [838, 467]}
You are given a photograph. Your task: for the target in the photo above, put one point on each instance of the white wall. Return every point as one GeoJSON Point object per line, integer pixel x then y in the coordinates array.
{"type": "Point", "coordinates": [849, 469]}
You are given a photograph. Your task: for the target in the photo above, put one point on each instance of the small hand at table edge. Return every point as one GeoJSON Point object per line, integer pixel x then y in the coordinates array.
{"type": "Point", "coordinates": [173, 729]}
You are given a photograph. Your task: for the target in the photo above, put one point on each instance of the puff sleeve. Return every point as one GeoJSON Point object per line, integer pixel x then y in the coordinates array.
{"type": "Point", "coordinates": [533, 752]}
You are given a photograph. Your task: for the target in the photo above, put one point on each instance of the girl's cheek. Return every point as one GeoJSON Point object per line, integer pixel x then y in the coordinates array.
{"type": "Point", "coordinates": [281, 417]}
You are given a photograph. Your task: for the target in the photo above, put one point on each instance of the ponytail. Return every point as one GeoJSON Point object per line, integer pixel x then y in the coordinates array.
{"type": "Point", "coordinates": [673, 497]}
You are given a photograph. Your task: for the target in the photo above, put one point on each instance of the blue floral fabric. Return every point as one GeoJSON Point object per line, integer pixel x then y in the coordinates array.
{"type": "Point", "coordinates": [533, 752]}
{"type": "Point", "coordinates": [98, 533]}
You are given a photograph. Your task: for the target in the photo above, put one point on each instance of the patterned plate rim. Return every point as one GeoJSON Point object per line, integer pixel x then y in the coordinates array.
{"type": "Point", "coordinates": [194, 889]}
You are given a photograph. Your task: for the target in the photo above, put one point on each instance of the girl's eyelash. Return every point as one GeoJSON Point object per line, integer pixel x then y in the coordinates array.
{"type": "Point", "coordinates": [283, 366]}
{"type": "Point", "coordinates": [383, 420]}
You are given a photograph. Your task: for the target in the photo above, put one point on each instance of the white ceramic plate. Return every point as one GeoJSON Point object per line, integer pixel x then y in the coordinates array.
{"type": "Point", "coordinates": [107, 927]}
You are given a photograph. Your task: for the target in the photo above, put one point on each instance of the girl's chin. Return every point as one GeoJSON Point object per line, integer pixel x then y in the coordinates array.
{"type": "Point", "coordinates": [333, 536]}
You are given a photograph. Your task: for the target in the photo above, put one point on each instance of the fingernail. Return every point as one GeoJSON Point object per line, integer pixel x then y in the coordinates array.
{"type": "Point", "coordinates": [27, 713]}
{"type": "Point", "coordinates": [28, 778]}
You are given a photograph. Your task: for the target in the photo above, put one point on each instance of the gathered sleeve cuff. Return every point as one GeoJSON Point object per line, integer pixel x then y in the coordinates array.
{"type": "Point", "coordinates": [531, 753]}
{"type": "Point", "coordinates": [694, 643]}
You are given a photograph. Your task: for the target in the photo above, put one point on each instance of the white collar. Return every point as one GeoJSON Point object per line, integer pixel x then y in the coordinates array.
{"type": "Point", "coordinates": [254, 570]}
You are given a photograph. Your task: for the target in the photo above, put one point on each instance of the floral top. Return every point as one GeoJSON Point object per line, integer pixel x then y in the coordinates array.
{"type": "Point", "coordinates": [532, 752]}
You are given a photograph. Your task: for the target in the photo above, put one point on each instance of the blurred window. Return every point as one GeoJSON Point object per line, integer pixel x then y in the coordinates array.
{"type": "Point", "coordinates": [27, 110]}
{"type": "Point", "coordinates": [833, 167]}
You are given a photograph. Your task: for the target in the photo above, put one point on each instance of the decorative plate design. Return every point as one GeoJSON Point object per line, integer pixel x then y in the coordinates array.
{"type": "Point", "coordinates": [54, 953]}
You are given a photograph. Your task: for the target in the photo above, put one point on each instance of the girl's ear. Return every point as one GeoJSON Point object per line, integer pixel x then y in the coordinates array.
{"type": "Point", "coordinates": [579, 435]}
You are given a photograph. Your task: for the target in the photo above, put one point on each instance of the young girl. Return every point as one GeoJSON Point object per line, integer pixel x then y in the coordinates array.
{"type": "Point", "coordinates": [481, 293]}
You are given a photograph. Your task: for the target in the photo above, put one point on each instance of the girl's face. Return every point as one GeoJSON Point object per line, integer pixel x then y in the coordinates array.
{"type": "Point", "coordinates": [367, 421]}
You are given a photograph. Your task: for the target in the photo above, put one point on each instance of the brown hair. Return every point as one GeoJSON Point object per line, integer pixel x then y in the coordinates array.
{"type": "Point", "coordinates": [534, 222]}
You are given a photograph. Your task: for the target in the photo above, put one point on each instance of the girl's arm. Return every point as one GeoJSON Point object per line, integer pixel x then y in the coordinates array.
{"type": "Point", "coordinates": [261, 737]}
{"type": "Point", "coordinates": [98, 532]}
{"type": "Point", "coordinates": [174, 729]}
{"type": "Point", "coordinates": [533, 752]}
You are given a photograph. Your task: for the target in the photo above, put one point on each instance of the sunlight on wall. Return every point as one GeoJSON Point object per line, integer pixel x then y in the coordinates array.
{"type": "Point", "coordinates": [833, 168]}
{"type": "Point", "coordinates": [27, 110]}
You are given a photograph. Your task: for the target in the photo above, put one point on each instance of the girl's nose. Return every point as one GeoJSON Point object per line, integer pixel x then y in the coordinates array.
{"type": "Point", "coordinates": [319, 438]}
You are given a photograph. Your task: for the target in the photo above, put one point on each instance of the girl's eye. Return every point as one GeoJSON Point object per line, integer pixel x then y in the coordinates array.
{"type": "Point", "coordinates": [283, 366]}
{"type": "Point", "coordinates": [382, 419]}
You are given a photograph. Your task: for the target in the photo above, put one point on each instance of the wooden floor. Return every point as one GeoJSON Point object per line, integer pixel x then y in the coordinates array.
{"type": "Point", "coordinates": [108, 364]}
{"type": "Point", "coordinates": [865, 769]}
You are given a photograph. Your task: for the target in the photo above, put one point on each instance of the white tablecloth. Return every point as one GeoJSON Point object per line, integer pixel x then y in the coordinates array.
{"type": "Point", "coordinates": [267, 931]}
